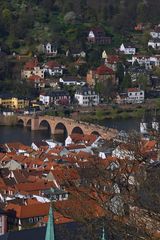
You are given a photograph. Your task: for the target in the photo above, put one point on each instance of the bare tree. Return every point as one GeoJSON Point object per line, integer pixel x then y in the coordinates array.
{"type": "Point", "coordinates": [111, 190]}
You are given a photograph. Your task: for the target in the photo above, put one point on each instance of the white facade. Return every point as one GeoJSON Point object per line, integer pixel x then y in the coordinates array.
{"type": "Point", "coordinates": [49, 49]}
{"type": "Point", "coordinates": [38, 71]}
{"type": "Point", "coordinates": [129, 50]}
{"type": "Point", "coordinates": [87, 98]}
{"type": "Point", "coordinates": [57, 71]}
{"type": "Point", "coordinates": [148, 62]}
{"type": "Point", "coordinates": [135, 95]}
{"type": "Point", "coordinates": [143, 127]}
{"type": "Point", "coordinates": [154, 44]}
{"type": "Point", "coordinates": [44, 99]}
{"type": "Point", "coordinates": [72, 82]}
{"type": "Point", "coordinates": [155, 125]}
{"type": "Point", "coordinates": [155, 34]}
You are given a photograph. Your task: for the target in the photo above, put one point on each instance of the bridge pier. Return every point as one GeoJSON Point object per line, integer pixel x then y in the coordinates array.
{"type": "Point", "coordinates": [35, 124]}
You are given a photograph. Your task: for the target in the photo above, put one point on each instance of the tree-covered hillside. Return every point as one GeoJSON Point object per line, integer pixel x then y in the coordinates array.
{"type": "Point", "coordinates": [24, 23]}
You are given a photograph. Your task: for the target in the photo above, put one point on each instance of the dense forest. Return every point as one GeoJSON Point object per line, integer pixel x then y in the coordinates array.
{"type": "Point", "coordinates": [26, 23]}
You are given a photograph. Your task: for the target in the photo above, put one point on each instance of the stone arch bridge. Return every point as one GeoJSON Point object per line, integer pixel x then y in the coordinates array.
{"type": "Point", "coordinates": [67, 125]}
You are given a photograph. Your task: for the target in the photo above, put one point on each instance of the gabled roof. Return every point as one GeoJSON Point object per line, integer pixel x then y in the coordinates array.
{"type": "Point", "coordinates": [28, 211]}
{"type": "Point", "coordinates": [97, 31]}
{"type": "Point", "coordinates": [31, 187]}
{"type": "Point", "coordinates": [52, 64]}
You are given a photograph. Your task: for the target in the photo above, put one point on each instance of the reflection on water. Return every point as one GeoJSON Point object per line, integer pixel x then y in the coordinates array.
{"type": "Point", "coordinates": [26, 136]}
{"type": "Point", "coordinates": [123, 124]}
{"type": "Point", "coordinates": [20, 134]}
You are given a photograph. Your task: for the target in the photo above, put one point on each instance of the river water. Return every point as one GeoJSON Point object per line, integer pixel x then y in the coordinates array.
{"type": "Point", "coordinates": [26, 136]}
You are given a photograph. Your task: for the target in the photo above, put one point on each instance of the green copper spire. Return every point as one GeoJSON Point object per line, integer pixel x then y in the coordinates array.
{"type": "Point", "coordinates": [103, 235]}
{"type": "Point", "coordinates": [50, 226]}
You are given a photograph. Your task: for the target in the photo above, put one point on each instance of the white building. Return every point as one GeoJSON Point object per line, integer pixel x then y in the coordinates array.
{"type": "Point", "coordinates": [52, 68]}
{"type": "Point", "coordinates": [148, 62]}
{"type": "Point", "coordinates": [71, 81]}
{"type": "Point", "coordinates": [156, 32]}
{"type": "Point", "coordinates": [127, 49]}
{"type": "Point", "coordinates": [50, 49]}
{"type": "Point", "coordinates": [154, 43]}
{"type": "Point", "coordinates": [135, 95]}
{"type": "Point", "coordinates": [87, 97]}
{"type": "Point", "coordinates": [58, 97]}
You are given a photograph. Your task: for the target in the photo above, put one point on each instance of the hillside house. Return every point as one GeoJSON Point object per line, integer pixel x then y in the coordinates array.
{"type": "Point", "coordinates": [98, 36]}
{"type": "Point", "coordinates": [101, 74]}
{"type": "Point", "coordinates": [147, 61]}
{"type": "Point", "coordinates": [71, 80]}
{"type": "Point", "coordinates": [50, 49]}
{"type": "Point", "coordinates": [104, 73]}
{"type": "Point", "coordinates": [133, 95]}
{"type": "Point", "coordinates": [127, 49]}
{"type": "Point", "coordinates": [53, 68]}
{"type": "Point", "coordinates": [37, 81]}
{"type": "Point", "coordinates": [111, 61]}
{"type": "Point", "coordinates": [32, 67]}
{"type": "Point", "coordinates": [155, 33]}
{"type": "Point", "coordinates": [154, 43]}
{"type": "Point", "coordinates": [76, 52]}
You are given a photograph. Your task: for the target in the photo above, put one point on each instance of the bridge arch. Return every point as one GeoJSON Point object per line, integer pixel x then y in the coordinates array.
{"type": "Point", "coordinates": [44, 125]}
{"type": "Point", "coordinates": [60, 128]}
{"type": "Point", "coordinates": [60, 132]}
{"type": "Point", "coordinates": [77, 130]}
{"type": "Point", "coordinates": [20, 122]}
{"type": "Point", "coordinates": [96, 133]}
{"type": "Point", "coordinates": [29, 122]}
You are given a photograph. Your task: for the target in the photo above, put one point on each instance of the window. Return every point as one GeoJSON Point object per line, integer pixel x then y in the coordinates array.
{"type": "Point", "coordinates": [36, 219]}
{"type": "Point", "coordinates": [30, 220]}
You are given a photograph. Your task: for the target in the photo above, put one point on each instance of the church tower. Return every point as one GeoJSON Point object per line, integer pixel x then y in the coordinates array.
{"type": "Point", "coordinates": [50, 226]}
{"type": "Point", "coordinates": [103, 235]}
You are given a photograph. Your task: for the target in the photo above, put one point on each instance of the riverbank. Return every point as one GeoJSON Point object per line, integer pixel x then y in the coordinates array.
{"type": "Point", "coordinates": [101, 115]}
{"type": "Point", "coordinates": [126, 111]}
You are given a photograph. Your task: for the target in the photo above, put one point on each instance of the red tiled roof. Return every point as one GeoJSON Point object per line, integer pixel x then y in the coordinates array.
{"type": "Point", "coordinates": [52, 64]}
{"type": "Point", "coordinates": [112, 58]}
{"type": "Point", "coordinates": [31, 64]}
{"type": "Point", "coordinates": [133, 89]}
{"type": "Point", "coordinates": [34, 78]}
{"type": "Point", "coordinates": [75, 146]}
{"type": "Point", "coordinates": [30, 210]}
{"type": "Point", "coordinates": [104, 70]}
{"type": "Point", "coordinates": [31, 187]}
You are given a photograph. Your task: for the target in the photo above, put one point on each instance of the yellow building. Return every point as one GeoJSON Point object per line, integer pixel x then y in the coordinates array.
{"type": "Point", "coordinates": [13, 102]}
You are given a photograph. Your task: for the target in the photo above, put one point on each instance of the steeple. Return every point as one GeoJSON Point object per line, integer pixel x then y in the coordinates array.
{"type": "Point", "coordinates": [50, 226]}
{"type": "Point", "coordinates": [103, 235]}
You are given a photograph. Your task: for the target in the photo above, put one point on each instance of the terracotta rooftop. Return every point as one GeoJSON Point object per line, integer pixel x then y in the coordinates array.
{"type": "Point", "coordinates": [104, 70]}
